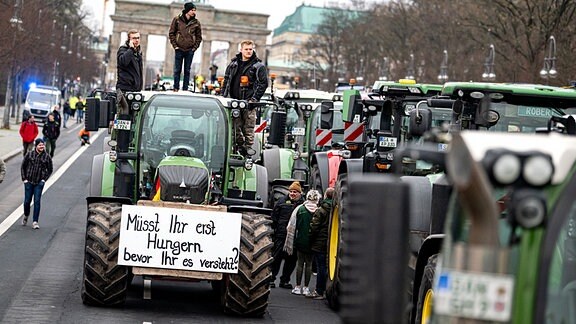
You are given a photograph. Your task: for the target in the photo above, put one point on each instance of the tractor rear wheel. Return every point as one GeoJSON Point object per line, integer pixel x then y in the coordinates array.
{"type": "Point", "coordinates": [338, 219]}
{"type": "Point", "coordinates": [104, 282]}
{"type": "Point", "coordinates": [426, 293]}
{"type": "Point", "coordinates": [246, 293]}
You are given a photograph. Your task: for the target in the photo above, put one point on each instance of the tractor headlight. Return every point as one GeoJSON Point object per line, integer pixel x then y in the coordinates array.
{"type": "Point", "coordinates": [136, 106]}
{"type": "Point", "coordinates": [296, 155]}
{"type": "Point", "coordinates": [248, 164]}
{"type": "Point", "coordinates": [345, 154]}
{"type": "Point", "coordinates": [235, 113]}
{"type": "Point", "coordinates": [371, 108]}
{"type": "Point", "coordinates": [242, 104]}
{"type": "Point", "coordinates": [138, 97]}
{"type": "Point", "coordinates": [113, 156]}
{"type": "Point", "coordinates": [538, 170]}
{"type": "Point", "coordinates": [234, 104]}
{"type": "Point", "coordinates": [130, 96]}
{"type": "Point", "coordinates": [506, 169]}
{"type": "Point", "coordinates": [528, 208]}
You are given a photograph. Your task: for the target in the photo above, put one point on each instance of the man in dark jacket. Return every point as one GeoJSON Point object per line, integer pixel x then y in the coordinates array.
{"type": "Point", "coordinates": [36, 169]}
{"type": "Point", "coordinates": [185, 35]}
{"type": "Point", "coordinates": [246, 63]}
{"type": "Point", "coordinates": [280, 218]}
{"type": "Point", "coordinates": [319, 241]}
{"type": "Point", "coordinates": [129, 61]}
{"type": "Point", "coordinates": [51, 132]}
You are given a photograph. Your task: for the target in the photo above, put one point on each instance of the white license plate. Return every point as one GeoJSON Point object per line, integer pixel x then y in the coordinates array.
{"type": "Point", "coordinates": [299, 131]}
{"type": "Point", "coordinates": [122, 124]}
{"type": "Point", "coordinates": [387, 141]}
{"type": "Point", "coordinates": [484, 296]}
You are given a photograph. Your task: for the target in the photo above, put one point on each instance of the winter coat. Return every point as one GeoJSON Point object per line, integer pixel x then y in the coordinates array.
{"type": "Point", "coordinates": [298, 228]}
{"type": "Point", "coordinates": [51, 130]}
{"type": "Point", "coordinates": [183, 35]}
{"type": "Point", "coordinates": [281, 215]}
{"type": "Point", "coordinates": [257, 78]}
{"type": "Point", "coordinates": [36, 167]}
{"type": "Point", "coordinates": [28, 131]}
{"type": "Point", "coordinates": [129, 69]}
{"type": "Point", "coordinates": [319, 227]}
{"type": "Point", "coordinates": [57, 117]}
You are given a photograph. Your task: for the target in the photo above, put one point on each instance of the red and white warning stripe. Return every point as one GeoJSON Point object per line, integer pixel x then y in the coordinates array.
{"type": "Point", "coordinates": [260, 128]}
{"type": "Point", "coordinates": [323, 137]}
{"type": "Point", "coordinates": [353, 132]}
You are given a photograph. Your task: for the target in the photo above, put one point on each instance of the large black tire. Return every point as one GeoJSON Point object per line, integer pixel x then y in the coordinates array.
{"type": "Point", "coordinates": [104, 283]}
{"type": "Point", "coordinates": [246, 293]}
{"type": "Point", "coordinates": [425, 294]}
{"type": "Point", "coordinates": [338, 219]}
{"type": "Point", "coordinates": [315, 179]}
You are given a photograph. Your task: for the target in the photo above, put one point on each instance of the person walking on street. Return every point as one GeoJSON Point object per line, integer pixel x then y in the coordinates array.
{"type": "Point", "coordinates": [246, 63]}
{"type": "Point", "coordinates": [28, 132]}
{"type": "Point", "coordinates": [51, 132]}
{"type": "Point", "coordinates": [298, 237]}
{"type": "Point", "coordinates": [2, 170]}
{"type": "Point", "coordinates": [280, 217]}
{"type": "Point", "coordinates": [72, 102]}
{"type": "Point", "coordinates": [185, 35]}
{"type": "Point", "coordinates": [36, 169]}
{"type": "Point", "coordinates": [67, 112]}
{"type": "Point", "coordinates": [319, 242]}
{"type": "Point", "coordinates": [79, 110]}
{"type": "Point", "coordinates": [57, 116]}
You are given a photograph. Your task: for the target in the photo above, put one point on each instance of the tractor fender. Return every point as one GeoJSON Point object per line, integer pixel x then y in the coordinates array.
{"type": "Point", "coordinates": [262, 183]}
{"type": "Point", "coordinates": [348, 166]}
{"type": "Point", "coordinates": [102, 176]}
{"type": "Point", "coordinates": [432, 245]}
{"type": "Point", "coordinates": [320, 159]}
{"type": "Point", "coordinates": [420, 210]}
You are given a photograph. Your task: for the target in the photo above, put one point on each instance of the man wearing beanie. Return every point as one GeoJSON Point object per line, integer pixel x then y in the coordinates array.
{"type": "Point", "coordinates": [185, 35]}
{"type": "Point", "coordinates": [36, 169]}
{"type": "Point", "coordinates": [280, 218]}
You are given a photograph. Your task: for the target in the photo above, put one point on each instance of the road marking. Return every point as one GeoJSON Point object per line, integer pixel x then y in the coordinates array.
{"type": "Point", "coordinates": [15, 216]}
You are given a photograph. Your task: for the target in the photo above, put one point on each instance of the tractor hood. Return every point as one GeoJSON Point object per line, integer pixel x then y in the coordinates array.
{"type": "Point", "coordinates": [183, 179]}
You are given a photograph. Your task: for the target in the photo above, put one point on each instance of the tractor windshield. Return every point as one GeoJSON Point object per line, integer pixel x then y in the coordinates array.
{"type": "Point", "coordinates": [186, 126]}
{"type": "Point", "coordinates": [519, 118]}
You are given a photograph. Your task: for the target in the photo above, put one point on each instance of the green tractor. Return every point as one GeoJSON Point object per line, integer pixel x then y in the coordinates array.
{"type": "Point", "coordinates": [496, 108]}
{"type": "Point", "coordinates": [173, 198]}
{"type": "Point", "coordinates": [509, 251]}
{"type": "Point", "coordinates": [375, 126]}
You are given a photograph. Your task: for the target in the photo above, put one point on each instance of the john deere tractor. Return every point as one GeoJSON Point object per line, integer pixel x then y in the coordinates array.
{"type": "Point", "coordinates": [173, 198]}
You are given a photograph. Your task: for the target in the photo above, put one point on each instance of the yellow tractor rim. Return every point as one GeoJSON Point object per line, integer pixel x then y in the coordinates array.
{"type": "Point", "coordinates": [427, 306]}
{"type": "Point", "coordinates": [334, 240]}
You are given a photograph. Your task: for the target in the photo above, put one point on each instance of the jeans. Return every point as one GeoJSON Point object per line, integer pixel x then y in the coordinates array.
{"type": "Point", "coordinates": [80, 116]}
{"type": "Point", "coordinates": [36, 191]}
{"type": "Point", "coordinates": [66, 116]}
{"type": "Point", "coordinates": [187, 57]}
{"type": "Point", "coordinates": [322, 272]}
{"type": "Point", "coordinates": [289, 261]}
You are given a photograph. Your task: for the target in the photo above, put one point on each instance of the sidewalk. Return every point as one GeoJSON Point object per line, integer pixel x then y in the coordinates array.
{"type": "Point", "coordinates": [10, 140]}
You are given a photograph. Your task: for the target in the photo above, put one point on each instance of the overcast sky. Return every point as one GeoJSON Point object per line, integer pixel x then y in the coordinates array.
{"type": "Point", "coordinates": [278, 10]}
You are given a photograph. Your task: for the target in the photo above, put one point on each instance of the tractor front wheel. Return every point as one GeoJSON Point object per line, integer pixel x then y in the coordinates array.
{"type": "Point", "coordinates": [426, 293]}
{"type": "Point", "coordinates": [104, 282]}
{"type": "Point", "coordinates": [246, 293]}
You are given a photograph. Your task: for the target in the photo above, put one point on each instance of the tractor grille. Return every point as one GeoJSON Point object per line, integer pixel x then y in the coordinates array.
{"type": "Point", "coordinates": [183, 183]}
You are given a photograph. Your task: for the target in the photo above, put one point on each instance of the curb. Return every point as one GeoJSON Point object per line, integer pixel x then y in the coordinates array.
{"type": "Point", "coordinates": [12, 154]}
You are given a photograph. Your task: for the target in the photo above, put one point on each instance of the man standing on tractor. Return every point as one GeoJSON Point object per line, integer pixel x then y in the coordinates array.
{"type": "Point", "coordinates": [246, 78]}
{"type": "Point", "coordinates": [185, 35]}
{"type": "Point", "coordinates": [280, 217]}
{"type": "Point", "coordinates": [129, 58]}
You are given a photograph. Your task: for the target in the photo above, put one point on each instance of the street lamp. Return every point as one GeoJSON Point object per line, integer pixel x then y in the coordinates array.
{"type": "Point", "coordinates": [489, 74]}
{"type": "Point", "coordinates": [385, 69]}
{"type": "Point", "coordinates": [549, 69]}
{"type": "Point", "coordinates": [410, 71]}
{"type": "Point", "coordinates": [443, 76]}
{"type": "Point", "coordinates": [63, 47]}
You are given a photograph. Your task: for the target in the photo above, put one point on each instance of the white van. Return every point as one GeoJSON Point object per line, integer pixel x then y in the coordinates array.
{"type": "Point", "coordinates": [40, 100]}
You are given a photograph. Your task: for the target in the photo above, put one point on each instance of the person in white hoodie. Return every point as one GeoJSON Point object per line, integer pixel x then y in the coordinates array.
{"type": "Point", "coordinates": [298, 237]}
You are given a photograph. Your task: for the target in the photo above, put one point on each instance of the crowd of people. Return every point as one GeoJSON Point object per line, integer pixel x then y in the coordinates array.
{"type": "Point", "coordinates": [300, 240]}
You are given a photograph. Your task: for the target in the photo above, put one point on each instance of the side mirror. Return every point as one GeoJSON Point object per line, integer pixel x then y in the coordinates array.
{"type": "Point", "coordinates": [327, 115]}
{"type": "Point", "coordinates": [93, 114]}
{"type": "Point", "coordinates": [277, 128]}
{"type": "Point", "coordinates": [420, 121]}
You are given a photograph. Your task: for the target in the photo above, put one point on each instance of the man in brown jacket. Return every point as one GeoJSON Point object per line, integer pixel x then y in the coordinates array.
{"type": "Point", "coordinates": [185, 36]}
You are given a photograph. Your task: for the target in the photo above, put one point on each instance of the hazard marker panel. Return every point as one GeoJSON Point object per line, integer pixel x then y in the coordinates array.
{"type": "Point", "coordinates": [353, 132]}
{"type": "Point", "coordinates": [323, 137]}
